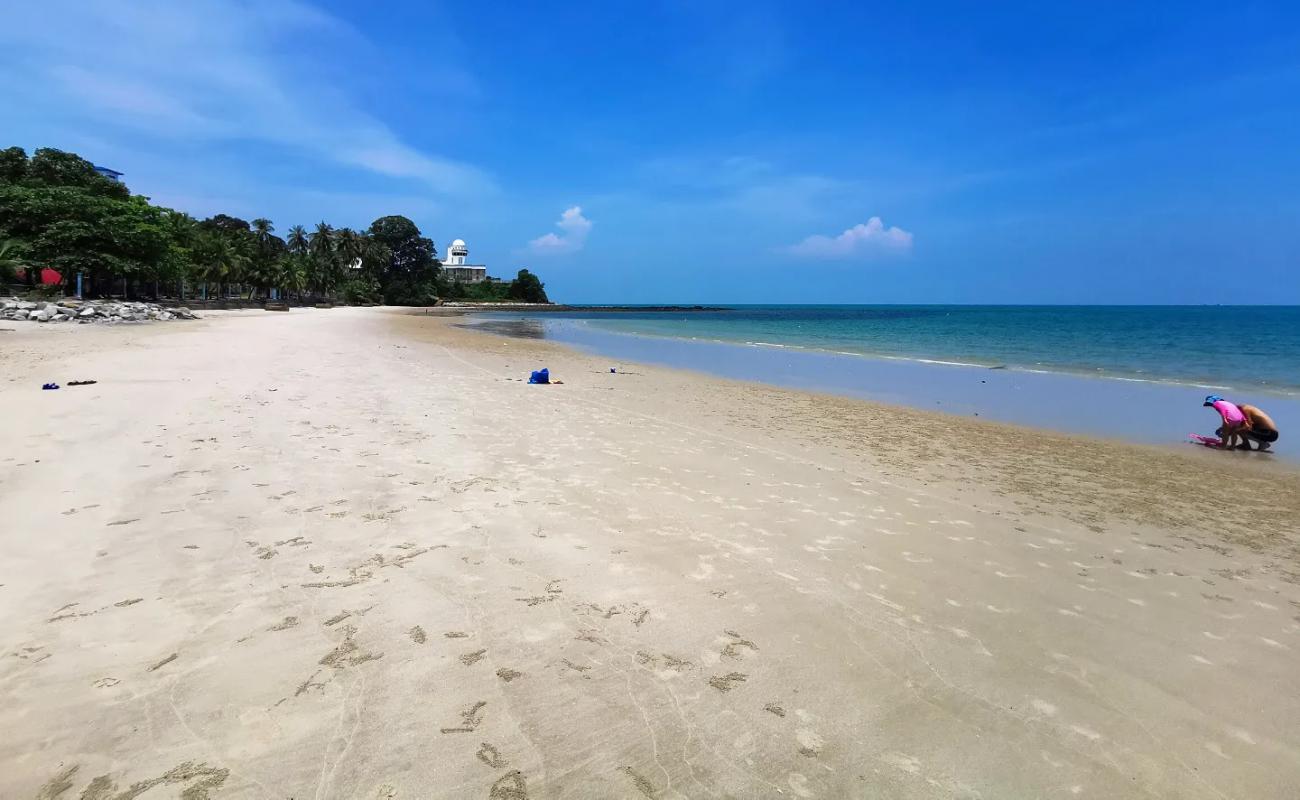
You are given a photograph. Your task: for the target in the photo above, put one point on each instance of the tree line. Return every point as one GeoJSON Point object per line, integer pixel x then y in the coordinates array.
{"type": "Point", "coordinates": [58, 212]}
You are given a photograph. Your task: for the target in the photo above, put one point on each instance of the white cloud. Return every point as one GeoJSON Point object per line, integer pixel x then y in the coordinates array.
{"type": "Point", "coordinates": [574, 229]}
{"type": "Point", "coordinates": [863, 239]}
{"type": "Point", "coordinates": [225, 71]}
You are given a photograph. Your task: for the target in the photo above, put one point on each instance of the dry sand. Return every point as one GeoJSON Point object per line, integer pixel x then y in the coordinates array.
{"type": "Point", "coordinates": [348, 554]}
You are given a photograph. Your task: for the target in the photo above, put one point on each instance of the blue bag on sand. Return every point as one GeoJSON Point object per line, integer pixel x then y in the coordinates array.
{"type": "Point", "coordinates": [540, 376]}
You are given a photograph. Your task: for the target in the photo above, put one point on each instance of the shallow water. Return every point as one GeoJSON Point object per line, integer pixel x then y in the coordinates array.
{"type": "Point", "coordinates": [1149, 412]}
{"type": "Point", "coordinates": [1232, 347]}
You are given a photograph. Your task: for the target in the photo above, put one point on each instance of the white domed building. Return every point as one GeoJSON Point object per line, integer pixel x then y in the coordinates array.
{"type": "Point", "coordinates": [456, 268]}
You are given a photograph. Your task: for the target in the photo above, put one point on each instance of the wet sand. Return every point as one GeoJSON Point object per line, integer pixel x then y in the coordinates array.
{"type": "Point", "coordinates": [349, 553]}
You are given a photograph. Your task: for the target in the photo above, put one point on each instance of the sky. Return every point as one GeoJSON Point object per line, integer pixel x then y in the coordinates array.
{"type": "Point", "coordinates": [690, 151]}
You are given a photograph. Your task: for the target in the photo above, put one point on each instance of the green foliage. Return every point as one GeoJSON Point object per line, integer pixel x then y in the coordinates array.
{"type": "Point", "coordinates": [57, 211]}
{"type": "Point", "coordinates": [13, 165]}
{"type": "Point", "coordinates": [11, 261]}
{"type": "Point", "coordinates": [362, 289]}
{"type": "Point", "coordinates": [407, 262]}
{"type": "Point", "coordinates": [527, 288]}
{"type": "Point", "coordinates": [485, 292]}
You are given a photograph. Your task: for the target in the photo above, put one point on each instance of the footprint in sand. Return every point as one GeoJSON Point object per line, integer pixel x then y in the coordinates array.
{"type": "Point", "coordinates": [510, 786]}
{"type": "Point", "coordinates": [470, 659]}
{"type": "Point", "coordinates": [725, 683]}
{"type": "Point", "coordinates": [105, 683]}
{"type": "Point", "coordinates": [490, 756]}
{"type": "Point", "coordinates": [506, 674]}
{"type": "Point", "coordinates": [642, 785]}
{"type": "Point", "coordinates": [418, 635]}
{"type": "Point", "coordinates": [469, 718]}
{"type": "Point", "coordinates": [732, 650]}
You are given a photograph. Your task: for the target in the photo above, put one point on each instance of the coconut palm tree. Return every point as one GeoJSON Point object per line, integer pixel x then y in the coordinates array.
{"type": "Point", "coordinates": [219, 261]}
{"type": "Point", "coordinates": [324, 259]}
{"type": "Point", "coordinates": [297, 241]}
{"type": "Point", "coordinates": [263, 229]}
{"type": "Point", "coordinates": [348, 243]}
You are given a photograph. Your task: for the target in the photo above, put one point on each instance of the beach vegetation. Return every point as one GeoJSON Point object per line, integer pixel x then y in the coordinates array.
{"type": "Point", "coordinates": [527, 288]}
{"type": "Point", "coordinates": [58, 212]}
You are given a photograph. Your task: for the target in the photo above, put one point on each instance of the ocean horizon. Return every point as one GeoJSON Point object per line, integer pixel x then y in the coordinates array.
{"type": "Point", "coordinates": [1229, 348]}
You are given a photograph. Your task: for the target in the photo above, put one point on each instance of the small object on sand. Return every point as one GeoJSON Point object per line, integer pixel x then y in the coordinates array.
{"type": "Point", "coordinates": [1207, 441]}
{"type": "Point", "coordinates": [540, 376]}
{"type": "Point", "coordinates": [82, 383]}
{"type": "Point", "coordinates": [50, 386]}
{"type": "Point", "coordinates": [613, 369]}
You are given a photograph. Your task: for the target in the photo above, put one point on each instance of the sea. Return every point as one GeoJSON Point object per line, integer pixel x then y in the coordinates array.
{"type": "Point", "coordinates": [1137, 372]}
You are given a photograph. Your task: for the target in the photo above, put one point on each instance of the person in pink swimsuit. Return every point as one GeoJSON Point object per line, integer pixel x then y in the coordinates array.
{"type": "Point", "coordinates": [1235, 423]}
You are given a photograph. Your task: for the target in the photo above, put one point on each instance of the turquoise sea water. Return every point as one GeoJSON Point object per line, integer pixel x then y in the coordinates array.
{"type": "Point", "coordinates": [1230, 347]}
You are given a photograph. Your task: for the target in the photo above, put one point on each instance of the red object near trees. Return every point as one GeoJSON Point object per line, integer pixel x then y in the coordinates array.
{"type": "Point", "coordinates": [49, 277]}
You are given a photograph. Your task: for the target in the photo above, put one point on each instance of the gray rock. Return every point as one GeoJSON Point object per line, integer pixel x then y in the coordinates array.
{"type": "Point", "coordinates": [88, 311]}
{"type": "Point", "coordinates": [26, 305]}
{"type": "Point", "coordinates": [21, 314]}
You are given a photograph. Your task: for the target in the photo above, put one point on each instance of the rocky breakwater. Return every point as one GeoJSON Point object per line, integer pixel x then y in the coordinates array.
{"type": "Point", "coordinates": [88, 311]}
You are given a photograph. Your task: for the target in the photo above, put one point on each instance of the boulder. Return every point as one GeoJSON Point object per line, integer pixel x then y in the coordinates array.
{"type": "Point", "coordinates": [88, 311]}
{"type": "Point", "coordinates": [21, 314]}
{"type": "Point", "coordinates": [26, 305]}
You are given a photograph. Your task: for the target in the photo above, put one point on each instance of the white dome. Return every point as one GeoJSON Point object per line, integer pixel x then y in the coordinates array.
{"type": "Point", "coordinates": [458, 243]}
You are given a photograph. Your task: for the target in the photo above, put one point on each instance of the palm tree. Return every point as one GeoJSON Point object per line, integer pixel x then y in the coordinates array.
{"type": "Point", "coordinates": [219, 261]}
{"type": "Point", "coordinates": [294, 274]}
{"type": "Point", "coordinates": [261, 271]}
{"type": "Point", "coordinates": [349, 244]}
{"type": "Point", "coordinates": [262, 229]}
{"type": "Point", "coordinates": [324, 259]}
{"type": "Point", "coordinates": [298, 240]}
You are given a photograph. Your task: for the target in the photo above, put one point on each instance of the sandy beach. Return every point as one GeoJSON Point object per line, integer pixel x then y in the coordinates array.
{"type": "Point", "coordinates": [349, 553]}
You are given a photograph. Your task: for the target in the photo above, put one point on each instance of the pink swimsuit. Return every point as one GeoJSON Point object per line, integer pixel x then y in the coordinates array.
{"type": "Point", "coordinates": [1230, 413]}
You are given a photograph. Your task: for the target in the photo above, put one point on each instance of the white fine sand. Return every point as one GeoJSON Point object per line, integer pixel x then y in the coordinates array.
{"type": "Point", "coordinates": [348, 554]}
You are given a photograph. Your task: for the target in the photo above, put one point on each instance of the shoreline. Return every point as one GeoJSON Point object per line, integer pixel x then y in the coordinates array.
{"type": "Point", "coordinates": [867, 331]}
{"type": "Point", "coordinates": [1204, 480]}
{"type": "Point", "coordinates": [351, 553]}
{"type": "Point", "coordinates": [1156, 412]}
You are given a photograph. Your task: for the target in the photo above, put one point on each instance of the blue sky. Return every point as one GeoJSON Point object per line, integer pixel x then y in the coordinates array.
{"type": "Point", "coordinates": [714, 152]}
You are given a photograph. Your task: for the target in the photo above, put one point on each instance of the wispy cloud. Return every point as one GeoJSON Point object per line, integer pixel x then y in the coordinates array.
{"type": "Point", "coordinates": [211, 70]}
{"type": "Point", "coordinates": [572, 237]}
{"type": "Point", "coordinates": [862, 240]}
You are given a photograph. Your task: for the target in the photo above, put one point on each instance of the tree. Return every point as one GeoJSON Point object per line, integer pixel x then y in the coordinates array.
{"type": "Point", "coordinates": [218, 260]}
{"type": "Point", "coordinates": [409, 271]}
{"type": "Point", "coordinates": [297, 240]}
{"type": "Point", "coordinates": [268, 250]}
{"type": "Point", "coordinates": [49, 167]}
{"type": "Point", "coordinates": [324, 260]}
{"type": "Point", "coordinates": [528, 288]}
{"type": "Point", "coordinates": [10, 260]}
{"type": "Point", "coordinates": [13, 165]}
